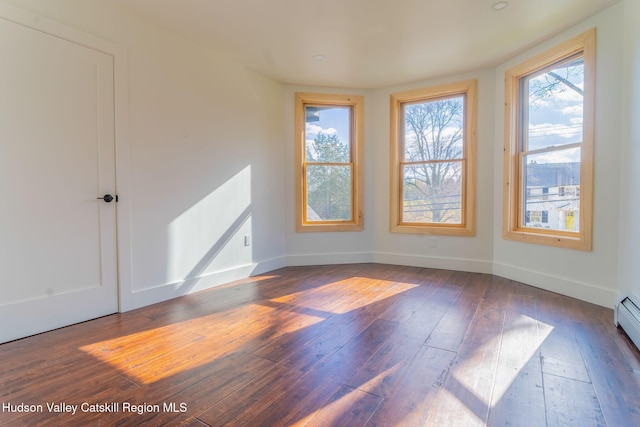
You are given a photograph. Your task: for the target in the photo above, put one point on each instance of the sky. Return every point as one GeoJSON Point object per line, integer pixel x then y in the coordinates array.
{"type": "Point", "coordinates": [557, 120]}
{"type": "Point", "coordinates": [332, 121]}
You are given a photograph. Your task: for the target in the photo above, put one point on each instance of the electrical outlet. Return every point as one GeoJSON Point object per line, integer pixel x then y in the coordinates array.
{"type": "Point", "coordinates": [247, 240]}
{"type": "Point", "coordinates": [433, 242]}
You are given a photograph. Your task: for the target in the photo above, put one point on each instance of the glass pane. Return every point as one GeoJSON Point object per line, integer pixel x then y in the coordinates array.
{"type": "Point", "coordinates": [328, 134]}
{"type": "Point", "coordinates": [433, 130]}
{"type": "Point", "coordinates": [432, 193]}
{"type": "Point", "coordinates": [552, 190]}
{"type": "Point", "coordinates": [328, 193]}
{"type": "Point", "coordinates": [555, 106]}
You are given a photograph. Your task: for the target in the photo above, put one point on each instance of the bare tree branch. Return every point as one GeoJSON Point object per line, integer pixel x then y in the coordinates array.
{"type": "Point", "coordinates": [566, 82]}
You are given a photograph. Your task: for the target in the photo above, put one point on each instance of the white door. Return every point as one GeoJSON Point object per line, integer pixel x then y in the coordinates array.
{"type": "Point", "coordinates": [57, 240]}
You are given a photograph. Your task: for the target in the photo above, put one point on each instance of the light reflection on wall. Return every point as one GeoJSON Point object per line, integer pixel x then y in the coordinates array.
{"type": "Point", "coordinates": [209, 236]}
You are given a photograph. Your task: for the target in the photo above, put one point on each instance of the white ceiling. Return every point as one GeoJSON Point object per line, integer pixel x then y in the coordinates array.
{"type": "Point", "coordinates": [365, 43]}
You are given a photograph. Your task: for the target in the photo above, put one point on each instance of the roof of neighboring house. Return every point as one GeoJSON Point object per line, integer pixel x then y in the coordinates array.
{"type": "Point", "coordinates": [553, 174]}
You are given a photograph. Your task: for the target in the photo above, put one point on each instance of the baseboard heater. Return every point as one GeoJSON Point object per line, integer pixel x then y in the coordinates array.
{"type": "Point", "coordinates": [627, 316]}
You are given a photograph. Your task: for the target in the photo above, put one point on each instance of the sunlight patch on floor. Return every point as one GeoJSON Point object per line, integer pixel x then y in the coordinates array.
{"type": "Point", "coordinates": [351, 294]}
{"type": "Point", "coordinates": [155, 354]}
{"type": "Point", "coordinates": [502, 358]}
{"type": "Point", "coordinates": [517, 350]}
{"type": "Point", "coordinates": [345, 401]}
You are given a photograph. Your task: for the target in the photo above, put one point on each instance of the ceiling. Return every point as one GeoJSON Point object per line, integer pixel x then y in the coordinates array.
{"type": "Point", "coordinates": [365, 43]}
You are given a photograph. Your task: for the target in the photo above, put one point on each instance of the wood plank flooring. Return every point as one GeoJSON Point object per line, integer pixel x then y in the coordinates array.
{"type": "Point", "coordinates": [348, 345]}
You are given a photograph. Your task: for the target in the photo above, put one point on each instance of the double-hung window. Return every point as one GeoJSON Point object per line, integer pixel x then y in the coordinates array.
{"type": "Point", "coordinates": [433, 134]}
{"type": "Point", "coordinates": [329, 178]}
{"type": "Point", "coordinates": [549, 109]}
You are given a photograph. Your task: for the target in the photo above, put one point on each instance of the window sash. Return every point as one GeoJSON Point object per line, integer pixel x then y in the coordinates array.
{"type": "Point", "coordinates": [310, 212]}
{"type": "Point", "coordinates": [350, 148]}
{"type": "Point", "coordinates": [443, 205]}
{"type": "Point", "coordinates": [462, 97]}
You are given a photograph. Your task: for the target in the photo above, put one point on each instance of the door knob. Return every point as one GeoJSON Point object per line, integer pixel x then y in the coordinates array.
{"type": "Point", "coordinates": [107, 198]}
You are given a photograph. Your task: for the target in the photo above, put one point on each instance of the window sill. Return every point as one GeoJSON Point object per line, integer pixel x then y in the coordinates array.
{"type": "Point", "coordinates": [566, 241]}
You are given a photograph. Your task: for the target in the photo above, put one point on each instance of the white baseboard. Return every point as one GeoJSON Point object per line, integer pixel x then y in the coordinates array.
{"type": "Point", "coordinates": [144, 297]}
{"type": "Point", "coordinates": [459, 264]}
{"type": "Point", "coordinates": [443, 263]}
{"type": "Point", "coordinates": [571, 288]}
{"type": "Point", "coordinates": [583, 291]}
{"type": "Point", "coordinates": [330, 258]}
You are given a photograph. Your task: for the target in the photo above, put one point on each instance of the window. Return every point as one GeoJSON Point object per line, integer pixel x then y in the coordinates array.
{"type": "Point", "coordinates": [433, 135]}
{"type": "Point", "coordinates": [329, 135]}
{"type": "Point", "coordinates": [549, 109]}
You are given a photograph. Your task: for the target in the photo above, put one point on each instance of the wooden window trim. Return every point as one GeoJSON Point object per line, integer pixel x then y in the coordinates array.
{"type": "Point", "coordinates": [512, 194]}
{"type": "Point", "coordinates": [467, 226]}
{"type": "Point", "coordinates": [356, 103]}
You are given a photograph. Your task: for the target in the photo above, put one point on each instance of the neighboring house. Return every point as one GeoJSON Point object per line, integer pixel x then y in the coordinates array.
{"type": "Point", "coordinates": [553, 196]}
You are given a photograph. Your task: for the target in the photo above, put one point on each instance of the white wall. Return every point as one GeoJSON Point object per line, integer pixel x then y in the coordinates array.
{"type": "Point", "coordinates": [205, 158]}
{"type": "Point", "coordinates": [591, 276]}
{"type": "Point", "coordinates": [211, 159]}
{"type": "Point", "coordinates": [629, 277]}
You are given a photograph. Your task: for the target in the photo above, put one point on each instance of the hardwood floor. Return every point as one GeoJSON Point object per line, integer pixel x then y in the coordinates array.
{"type": "Point", "coordinates": [349, 345]}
